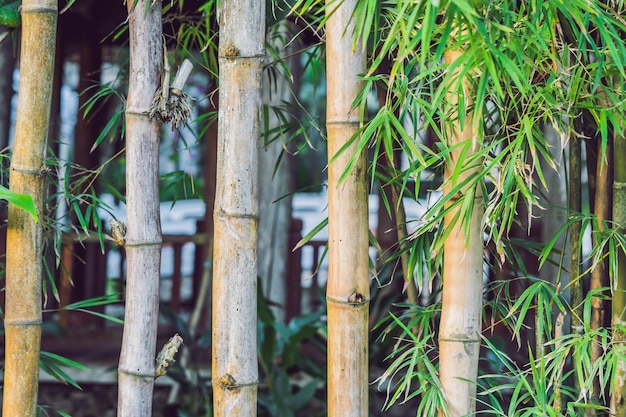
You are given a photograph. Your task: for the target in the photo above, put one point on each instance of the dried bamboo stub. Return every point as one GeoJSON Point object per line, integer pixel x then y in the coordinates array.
{"type": "Point", "coordinates": [165, 358]}
{"type": "Point", "coordinates": [171, 104]}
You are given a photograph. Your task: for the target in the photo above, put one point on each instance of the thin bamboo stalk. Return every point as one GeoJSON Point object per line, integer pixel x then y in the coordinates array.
{"type": "Point", "coordinates": [143, 237]}
{"type": "Point", "coordinates": [618, 398]}
{"type": "Point", "coordinates": [236, 213]}
{"type": "Point", "coordinates": [599, 274]}
{"type": "Point", "coordinates": [575, 206]}
{"type": "Point", "coordinates": [347, 293]}
{"type": "Point", "coordinates": [461, 324]}
{"type": "Point", "coordinates": [24, 269]}
{"type": "Point", "coordinates": [7, 65]}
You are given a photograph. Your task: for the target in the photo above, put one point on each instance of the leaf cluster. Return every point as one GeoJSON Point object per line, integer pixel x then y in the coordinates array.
{"type": "Point", "coordinates": [527, 65]}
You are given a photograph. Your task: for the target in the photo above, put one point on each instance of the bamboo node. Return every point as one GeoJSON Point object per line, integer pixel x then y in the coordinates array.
{"type": "Point", "coordinates": [227, 381]}
{"type": "Point", "coordinates": [619, 185]}
{"type": "Point", "coordinates": [25, 169]}
{"type": "Point", "coordinates": [458, 338]}
{"type": "Point", "coordinates": [36, 8]}
{"type": "Point", "coordinates": [134, 373]}
{"type": "Point", "coordinates": [20, 322]}
{"type": "Point", "coordinates": [142, 243]}
{"type": "Point", "coordinates": [356, 298]}
{"type": "Point", "coordinates": [344, 122]}
{"type": "Point", "coordinates": [165, 358]}
{"type": "Point", "coordinates": [136, 111]}
{"type": "Point", "coordinates": [231, 51]}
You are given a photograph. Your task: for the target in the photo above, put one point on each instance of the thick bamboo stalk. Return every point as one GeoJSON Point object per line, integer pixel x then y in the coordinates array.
{"type": "Point", "coordinates": [143, 236]}
{"type": "Point", "coordinates": [347, 292]}
{"type": "Point", "coordinates": [241, 55]}
{"type": "Point", "coordinates": [24, 269]}
{"type": "Point", "coordinates": [461, 324]}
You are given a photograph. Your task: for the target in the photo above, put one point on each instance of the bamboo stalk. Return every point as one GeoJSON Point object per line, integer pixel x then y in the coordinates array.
{"type": "Point", "coordinates": [618, 398]}
{"type": "Point", "coordinates": [236, 213]}
{"type": "Point", "coordinates": [461, 324]}
{"type": "Point", "coordinates": [575, 207]}
{"type": "Point", "coordinates": [143, 237]}
{"type": "Point", "coordinates": [599, 274]}
{"type": "Point", "coordinates": [24, 269]}
{"type": "Point", "coordinates": [347, 293]}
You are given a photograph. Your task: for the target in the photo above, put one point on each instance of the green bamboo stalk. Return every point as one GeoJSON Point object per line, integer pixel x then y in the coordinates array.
{"type": "Point", "coordinates": [599, 273]}
{"type": "Point", "coordinates": [575, 207]}
{"type": "Point", "coordinates": [618, 399]}
{"type": "Point", "coordinates": [24, 269]}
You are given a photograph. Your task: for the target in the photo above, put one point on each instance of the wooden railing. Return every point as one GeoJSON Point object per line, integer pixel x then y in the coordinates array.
{"type": "Point", "coordinates": [86, 254]}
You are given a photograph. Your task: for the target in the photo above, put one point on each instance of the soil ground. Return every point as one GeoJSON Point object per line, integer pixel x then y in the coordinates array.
{"type": "Point", "coordinates": [94, 400]}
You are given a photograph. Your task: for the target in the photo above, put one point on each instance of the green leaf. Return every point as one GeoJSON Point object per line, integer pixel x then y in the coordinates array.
{"type": "Point", "coordinates": [311, 234]}
{"type": "Point", "coordinates": [52, 363]}
{"type": "Point", "coordinates": [22, 201]}
{"type": "Point", "coordinates": [10, 13]}
{"type": "Point", "coordinates": [93, 302]}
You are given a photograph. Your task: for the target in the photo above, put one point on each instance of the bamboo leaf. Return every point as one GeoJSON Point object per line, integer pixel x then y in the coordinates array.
{"type": "Point", "coordinates": [10, 13]}
{"type": "Point", "coordinates": [22, 201]}
{"type": "Point", "coordinates": [311, 234]}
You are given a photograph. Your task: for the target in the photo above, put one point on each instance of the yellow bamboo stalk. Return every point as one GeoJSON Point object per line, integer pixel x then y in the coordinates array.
{"type": "Point", "coordinates": [236, 213]}
{"type": "Point", "coordinates": [25, 238]}
{"type": "Point", "coordinates": [347, 292]}
{"type": "Point", "coordinates": [461, 324]}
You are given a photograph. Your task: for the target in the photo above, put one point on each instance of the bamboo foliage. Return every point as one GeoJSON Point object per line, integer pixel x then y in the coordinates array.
{"type": "Point", "coordinates": [234, 313]}
{"type": "Point", "coordinates": [524, 65]}
{"type": "Point", "coordinates": [24, 276]}
{"type": "Point", "coordinates": [347, 292]}
{"type": "Point", "coordinates": [143, 236]}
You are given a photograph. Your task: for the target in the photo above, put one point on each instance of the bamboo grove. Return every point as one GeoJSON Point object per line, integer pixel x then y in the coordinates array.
{"type": "Point", "coordinates": [504, 121]}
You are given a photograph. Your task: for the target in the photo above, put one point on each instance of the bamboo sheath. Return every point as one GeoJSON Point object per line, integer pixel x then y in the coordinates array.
{"type": "Point", "coordinates": [24, 236]}
{"type": "Point", "coordinates": [234, 307]}
{"type": "Point", "coordinates": [461, 325]}
{"type": "Point", "coordinates": [143, 236]}
{"type": "Point", "coordinates": [347, 290]}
